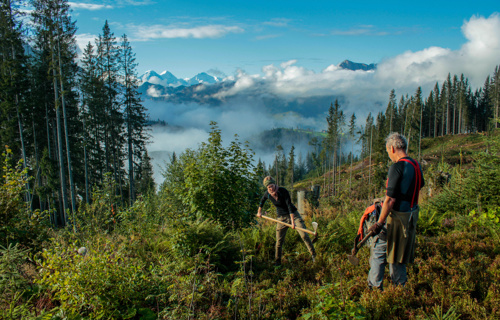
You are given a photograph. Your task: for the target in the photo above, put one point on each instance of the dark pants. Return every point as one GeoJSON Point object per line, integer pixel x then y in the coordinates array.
{"type": "Point", "coordinates": [281, 233]}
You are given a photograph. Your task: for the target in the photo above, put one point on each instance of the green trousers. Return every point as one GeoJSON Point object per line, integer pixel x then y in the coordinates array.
{"type": "Point", "coordinates": [281, 233]}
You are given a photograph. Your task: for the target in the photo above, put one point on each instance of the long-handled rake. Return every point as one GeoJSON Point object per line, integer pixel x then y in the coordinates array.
{"type": "Point", "coordinates": [314, 224]}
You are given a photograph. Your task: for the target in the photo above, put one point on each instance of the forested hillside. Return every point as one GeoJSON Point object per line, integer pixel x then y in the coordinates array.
{"type": "Point", "coordinates": [195, 249]}
{"type": "Point", "coordinates": [70, 124]}
{"type": "Point", "coordinates": [86, 234]}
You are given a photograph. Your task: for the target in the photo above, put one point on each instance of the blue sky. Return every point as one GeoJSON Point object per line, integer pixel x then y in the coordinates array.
{"type": "Point", "coordinates": [289, 50]}
{"type": "Point", "coordinates": [188, 37]}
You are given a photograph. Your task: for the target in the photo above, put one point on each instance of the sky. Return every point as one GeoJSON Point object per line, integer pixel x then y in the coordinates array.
{"type": "Point", "coordinates": [188, 37]}
{"type": "Point", "coordinates": [283, 56]}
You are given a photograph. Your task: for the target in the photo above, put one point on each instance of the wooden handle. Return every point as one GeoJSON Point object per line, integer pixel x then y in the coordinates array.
{"type": "Point", "coordinates": [362, 242]}
{"type": "Point", "coordinates": [288, 225]}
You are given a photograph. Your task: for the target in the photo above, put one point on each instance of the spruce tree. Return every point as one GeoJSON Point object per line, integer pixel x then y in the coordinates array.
{"type": "Point", "coordinates": [290, 168]}
{"type": "Point", "coordinates": [13, 69]}
{"type": "Point", "coordinates": [428, 115]}
{"type": "Point", "coordinates": [55, 69]}
{"type": "Point", "coordinates": [335, 120]}
{"type": "Point", "coordinates": [352, 132]}
{"type": "Point", "coordinates": [108, 71]}
{"type": "Point", "coordinates": [391, 108]}
{"type": "Point", "coordinates": [448, 92]}
{"type": "Point", "coordinates": [145, 179]}
{"type": "Point", "coordinates": [134, 113]}
{"type": "Point", "coordinates": [437, 110]}
{"type": "Point", "coordinates": [13, 83]}
{"type": "Point", "coordinates": [494, 94]}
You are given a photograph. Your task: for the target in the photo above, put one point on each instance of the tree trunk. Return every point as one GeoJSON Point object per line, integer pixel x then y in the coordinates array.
{"type": "Point", "coordinates": [86, 165]}
{"type": "Point", "coordinates": [350, 173]}
{"type": "Point", "coordinates": [435, 119]}
{"type": "Point", "coordinates": [63, 197]}
{"type": "Point", "coordinates": [48, 130]}
{"type": "Point", "coordinates": [420, 134]}
{"type": "Point", "coordinates": [23, 148]}
{"type": "Point", "coordinates": [131, 168]}
{"type": "Point", "coordinates": [455, 118]}
{"type": "Point", "coordinates": [448, 115]}
{"type": "Point", "coordinates": [66, 135]}
{"type": "Point", "coordinates": [20, 124]}
{"type": "Point", "coordinates": [370, 165]}
{"type": "Point", "coordinates": [38, 181]}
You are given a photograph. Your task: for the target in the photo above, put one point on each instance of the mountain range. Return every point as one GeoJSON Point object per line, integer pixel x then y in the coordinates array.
{"type": "Point", "coordinates": [164, 91]}
{"type": "Point", "coordinates": [167, 79]}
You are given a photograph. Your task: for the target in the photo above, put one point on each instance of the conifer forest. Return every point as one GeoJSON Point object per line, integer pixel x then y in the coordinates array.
{"type": "Point", "coordinates": [86, 233]}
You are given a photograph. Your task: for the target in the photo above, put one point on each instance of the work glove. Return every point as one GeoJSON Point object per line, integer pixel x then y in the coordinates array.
{"type": "Point", "coordinates": [376, 228]}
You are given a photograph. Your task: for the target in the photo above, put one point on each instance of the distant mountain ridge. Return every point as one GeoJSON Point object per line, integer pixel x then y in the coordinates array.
{"type": "Point", "coordinates": [167, 79]}
{"type": "Point", "coordinates": [354, 66]}
{"type": "Point", "coordinates": [206, 89]}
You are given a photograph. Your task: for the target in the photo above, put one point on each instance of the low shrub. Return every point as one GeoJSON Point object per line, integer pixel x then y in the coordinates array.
{"type": "Point", "coordinates": [103, 283]}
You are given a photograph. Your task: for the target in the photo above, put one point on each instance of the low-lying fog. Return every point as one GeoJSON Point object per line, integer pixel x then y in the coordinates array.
{"type": "Point", "coordinates": [291, 96]}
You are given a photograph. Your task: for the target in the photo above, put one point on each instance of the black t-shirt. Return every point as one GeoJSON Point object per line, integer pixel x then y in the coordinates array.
{"type": "Point", "coordinates": [284, 205]}
{"type": "Point", "coordinates": [401, 184]}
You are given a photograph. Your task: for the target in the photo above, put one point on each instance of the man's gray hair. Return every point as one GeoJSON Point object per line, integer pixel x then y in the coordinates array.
{"type": "Point", "coordinates": [397, 140]}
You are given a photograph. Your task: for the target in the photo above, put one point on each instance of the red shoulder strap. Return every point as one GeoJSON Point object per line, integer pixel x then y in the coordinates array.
{"type": "Point", "coordinates": [418, 180]}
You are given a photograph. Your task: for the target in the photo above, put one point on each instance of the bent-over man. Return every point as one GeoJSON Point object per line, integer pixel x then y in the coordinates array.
{"type": "Point", "coordinates": [286, 212]}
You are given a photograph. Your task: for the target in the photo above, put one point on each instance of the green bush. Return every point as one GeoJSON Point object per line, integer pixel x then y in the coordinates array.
{"type": "Point", "coordinates": [331, 302]}
{"type": "Point", "coordinates": [473, 189]}
{"type": "Point", "coordinates": [18, 224]}
{"type": "Point", "coordinates": [206, 237]}
{"type": "Point", "coordinates": [457, 269]}
{"type": "Point", "coordinates": [104, 283]}
{"type": "Point", "coordinates": [102, 215]}
{"type": "Point", "coordinates": [213, 182]}
{"type": "Point", "coordinates": [12, 278]}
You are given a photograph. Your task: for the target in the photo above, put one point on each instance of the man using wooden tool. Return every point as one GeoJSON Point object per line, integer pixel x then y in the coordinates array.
{"type": "Point", "coordinates": [287, 214]}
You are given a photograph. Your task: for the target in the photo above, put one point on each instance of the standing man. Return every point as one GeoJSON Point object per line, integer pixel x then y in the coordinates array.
{"type": "Point", "coordinates": [286, 212]}
{"type": "Point", "coordinates": [400, 208]}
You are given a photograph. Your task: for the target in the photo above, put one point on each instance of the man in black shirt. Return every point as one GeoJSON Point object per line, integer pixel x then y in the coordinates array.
{"type": "Point", "coordinates": [286, 212]}
{"type": "Point", "coordinates": [400, 208]}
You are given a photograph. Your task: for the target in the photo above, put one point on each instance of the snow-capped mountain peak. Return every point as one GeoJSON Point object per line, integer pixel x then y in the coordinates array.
{"type": "Point", "coordinates": [203, 77]}
{"type": "Point", "coordinates": [167, 79]}
{"type": "Point", "coordinates": [151, 77]}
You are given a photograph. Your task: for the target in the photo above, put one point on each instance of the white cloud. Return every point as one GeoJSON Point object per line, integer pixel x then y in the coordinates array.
{"type": "Point", "coordinates": [155, 93]}
{"type": "Point", "coordinates": [245, 106]}
{"type": "Point", "coordinates": [83, 39]}
{"type": "Point", "coordinates": [476, 59]}
{"type": "Point", "coordinates": [362, 30]}
{"type": "Point", "coordinates": [89, 6]}
{"type": "Point", "coordinates": [176, 141]}
{"type": "Point", "coordinates": [168, 32]}
{"type": "Point", "coordinates": [483, 47]}
{"type": "Point", "coordinates": [165, 142]}
{"type": "Point", "coordinates": [136, 3]}
{"type": "Point", "coordinates": [266, 37]}
{"type": "Point", "coordinates": [188, 126]}
{"type": "Point", "coordinates": [278, 22]}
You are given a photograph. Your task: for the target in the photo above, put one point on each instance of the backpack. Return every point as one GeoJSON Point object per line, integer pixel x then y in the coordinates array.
{"type": "Point", "coordinates": [368, 219]}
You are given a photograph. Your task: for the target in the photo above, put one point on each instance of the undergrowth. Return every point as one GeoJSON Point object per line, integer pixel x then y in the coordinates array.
{"type": "Point", "coordinates": [141, 262]}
